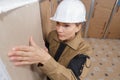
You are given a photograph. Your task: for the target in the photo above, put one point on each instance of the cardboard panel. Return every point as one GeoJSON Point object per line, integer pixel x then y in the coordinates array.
{"type": "Point", "coordinates": [101, 15]}
{"type": "Point", "coordinates": [94, 36]}
{"type": "Point", "coordinates": [113, 36]}
{"type": "Point", "coordinates": [87, 4]}
{"type": "Point", "coordinates": [48, 8]}
{"type": "Point", "coordinates": [99, 21]}
{"type": "Point", "coordinates": [95, 31]}
{"type": "Point", "coordinates": [16, 27]}
{"type": "Point", "coordinates": [114, 28]}
{"type": "Point", "coordinates": [106, 3]}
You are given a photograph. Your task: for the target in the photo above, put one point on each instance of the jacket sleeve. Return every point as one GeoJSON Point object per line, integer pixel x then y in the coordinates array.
{"type": "Point", "coordinates": [77, 64]}
{"type": "Point", "coordinates": [55, 71]}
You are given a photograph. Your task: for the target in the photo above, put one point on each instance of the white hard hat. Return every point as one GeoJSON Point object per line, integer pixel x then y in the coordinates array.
{"type": "Point", "coordinates": [70, 11]}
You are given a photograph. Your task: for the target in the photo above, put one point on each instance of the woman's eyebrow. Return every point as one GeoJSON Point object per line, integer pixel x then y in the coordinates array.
{"type": "Point", "coordinates": [66, 23]}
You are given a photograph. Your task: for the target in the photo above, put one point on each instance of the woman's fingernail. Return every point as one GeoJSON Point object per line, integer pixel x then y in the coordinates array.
{"type": "Point", "coordinates": [11, 58]}
{"type": "Point", "coordinates": [13, 49]}
{"type": "Point", "coordinates": [10, 53]}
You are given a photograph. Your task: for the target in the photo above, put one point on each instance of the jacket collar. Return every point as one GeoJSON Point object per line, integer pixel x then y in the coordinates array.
{"type": "Point", "coordinates": [74, 43]}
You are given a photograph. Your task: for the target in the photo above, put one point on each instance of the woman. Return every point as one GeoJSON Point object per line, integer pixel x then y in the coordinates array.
{"type": "Point", "coordinates": [69, 55]}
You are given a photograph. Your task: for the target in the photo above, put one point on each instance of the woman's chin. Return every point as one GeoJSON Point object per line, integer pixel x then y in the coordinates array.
{"type": "Point", "coordinates": [61, 39]}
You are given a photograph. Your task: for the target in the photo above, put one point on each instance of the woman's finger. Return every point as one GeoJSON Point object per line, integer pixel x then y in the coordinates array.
{"type": "Point", "coordinates": [32, 42]}
{"type": "Point", "coordinates": [21, 63]}
{"type": "Point", "coordinates": [19, 58]}
{"type": "Point", "coordinates": [46, 49]}
{"type": "Point", "coordinates": [18, 53]}
{"type": "Point", "coordinates": [23, 48]}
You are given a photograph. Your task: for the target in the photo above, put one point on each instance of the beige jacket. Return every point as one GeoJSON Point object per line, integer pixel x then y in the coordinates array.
{"type": "Point", "coordinates": [57, 70]}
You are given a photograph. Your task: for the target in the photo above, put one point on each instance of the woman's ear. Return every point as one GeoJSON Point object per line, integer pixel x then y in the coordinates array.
{"type": "Point", "coordinates": [78, 28]}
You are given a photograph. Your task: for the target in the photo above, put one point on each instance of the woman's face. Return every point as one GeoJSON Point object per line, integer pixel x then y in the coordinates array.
{"type": "Point", "coordinates": [66, 31]}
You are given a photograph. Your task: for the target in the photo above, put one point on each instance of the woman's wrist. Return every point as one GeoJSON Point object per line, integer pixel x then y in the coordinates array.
{"type": "Point", "coordinates": [46, 58]}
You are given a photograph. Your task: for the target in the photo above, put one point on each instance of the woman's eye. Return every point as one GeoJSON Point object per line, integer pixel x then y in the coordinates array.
{"type": "Point", "coordinates": [66, 25]}
{"type": "Point", "coordinates": [57, 23]}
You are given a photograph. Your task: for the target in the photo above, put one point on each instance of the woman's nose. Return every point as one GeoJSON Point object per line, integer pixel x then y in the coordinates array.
{"type": "Point", "coordinates": [59, 28]}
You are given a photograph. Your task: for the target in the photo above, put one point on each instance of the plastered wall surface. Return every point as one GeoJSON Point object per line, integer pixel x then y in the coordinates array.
{"type": "Point", "coordinates": [16, 27]}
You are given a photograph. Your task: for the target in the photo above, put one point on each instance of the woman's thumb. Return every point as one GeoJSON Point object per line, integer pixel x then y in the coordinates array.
{"type": "Point", "coordinates": [32, 42]}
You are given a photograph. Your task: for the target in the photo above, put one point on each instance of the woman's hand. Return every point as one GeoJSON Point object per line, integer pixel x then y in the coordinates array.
{"type": "Point", "coordinates": [26, 55]}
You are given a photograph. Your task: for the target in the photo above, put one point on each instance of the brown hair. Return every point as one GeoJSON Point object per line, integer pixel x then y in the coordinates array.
{"type": "Point", "coordinates": [83, 26]}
